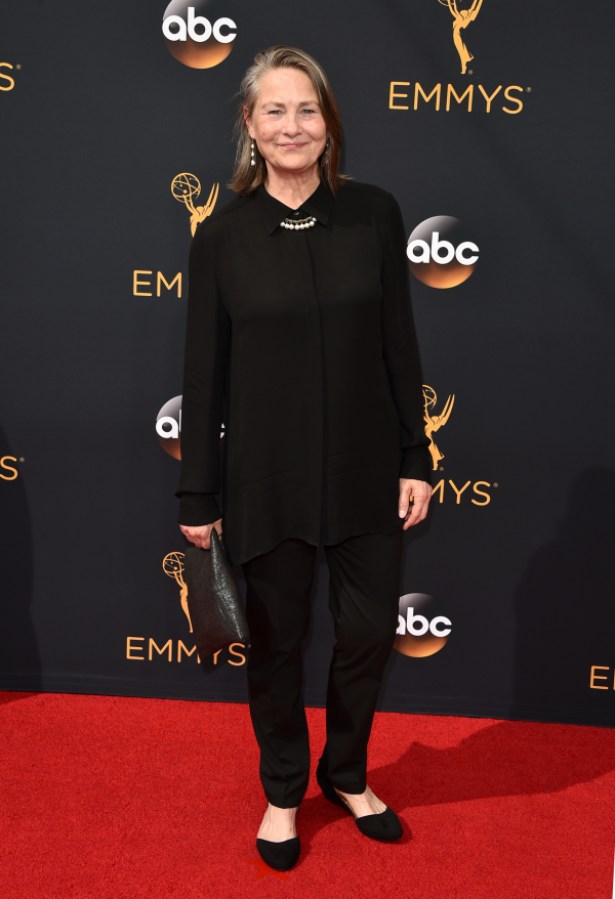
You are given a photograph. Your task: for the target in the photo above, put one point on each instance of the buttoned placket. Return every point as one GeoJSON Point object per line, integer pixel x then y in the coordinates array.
{"type": "Point", "coordinates": [321, 395]}
{"type": "Point", "coordinates": [317, 413]}
{"type": "Point", "coordinates": [316, 376]}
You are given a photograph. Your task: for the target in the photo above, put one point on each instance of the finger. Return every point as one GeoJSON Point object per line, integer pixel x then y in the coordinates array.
{"type": "Point", "coordinates": [411, 518]}
{"type": "Point", "coordinates": [422, 511]}
{"type": "Point", "coordinates": [191, 537]}
{"type": "Point", "coordinates": [405, 501]}
{"type": "Point", "coordinates": [421, 499]}
{"type": "Point", "coordinates": [420, 514]}
{"type": "Point", "coordinates": [417, 514]}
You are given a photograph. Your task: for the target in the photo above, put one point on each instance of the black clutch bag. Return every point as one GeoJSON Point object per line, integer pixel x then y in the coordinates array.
{"type": "Point", "coordinates": [214, 600]}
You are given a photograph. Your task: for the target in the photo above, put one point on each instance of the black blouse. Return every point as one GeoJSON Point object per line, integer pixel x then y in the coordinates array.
{"type": "Point", "coordinates": [302, 343]}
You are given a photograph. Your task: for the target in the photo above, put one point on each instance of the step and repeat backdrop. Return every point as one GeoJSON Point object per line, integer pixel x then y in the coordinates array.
{"type": "Point", "coordinates": [492, 123]}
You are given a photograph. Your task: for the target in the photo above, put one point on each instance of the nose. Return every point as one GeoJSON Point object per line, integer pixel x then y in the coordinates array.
{"type": "Point", "coordinates": [292, 126]}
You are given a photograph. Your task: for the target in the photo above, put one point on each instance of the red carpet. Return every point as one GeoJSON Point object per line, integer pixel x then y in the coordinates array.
{"type": "Point", "coordinates": [115, 797]}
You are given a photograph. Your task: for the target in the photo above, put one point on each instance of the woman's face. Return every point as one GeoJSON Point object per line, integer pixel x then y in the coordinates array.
{"type": "Point", "coordinates": [286, 122]}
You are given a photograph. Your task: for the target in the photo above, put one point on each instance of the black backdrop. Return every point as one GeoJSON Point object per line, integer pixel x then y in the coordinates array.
{"type": "Point", "coordinates": [98, 119]}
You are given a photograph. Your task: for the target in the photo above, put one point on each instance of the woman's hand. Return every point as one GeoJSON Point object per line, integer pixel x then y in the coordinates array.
{"type": "Point", "coordinates": [201, 535]}
{"type": "Point", "coordinates": [414, 499]}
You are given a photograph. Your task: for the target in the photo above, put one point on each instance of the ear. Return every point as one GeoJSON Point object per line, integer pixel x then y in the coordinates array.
{"type": "Point", "coordinates": [248, 120]}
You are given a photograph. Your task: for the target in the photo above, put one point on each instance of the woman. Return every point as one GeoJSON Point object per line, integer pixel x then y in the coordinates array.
{"type": "Point", "coordinates": [300, 339]}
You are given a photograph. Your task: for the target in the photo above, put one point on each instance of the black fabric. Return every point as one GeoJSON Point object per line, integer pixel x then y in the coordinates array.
{"type": "Point", "coordinates": [214, 599]}
{"type": "Point", "coordinates": [303, 343]}
{"type": "Point", "coordinates": [364, 588]}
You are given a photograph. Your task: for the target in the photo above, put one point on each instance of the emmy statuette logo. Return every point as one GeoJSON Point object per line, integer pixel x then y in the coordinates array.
{"type": "Point", "coordinates": [173, 567]}
{"type": "Point", "coordinates": [141, 648]}
{"type": "Point", "coordinates": [451, 489]}
{"type": "Point", "coordinates": [153, 649]}
{"type": "Point", "coordinates": [185, 188]}
{"type": "Point", "coordinates": [461, 19]}
{"type": "Point", "coordinates": [433, 422]}
{"type": "Point", "coordinates": [196, 40]}
{"type": "Point", "coordinates": [462, 95]}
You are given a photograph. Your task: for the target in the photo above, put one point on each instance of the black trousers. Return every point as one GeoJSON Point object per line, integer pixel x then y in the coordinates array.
{"type": "Point", "coordinates": [365, 584]}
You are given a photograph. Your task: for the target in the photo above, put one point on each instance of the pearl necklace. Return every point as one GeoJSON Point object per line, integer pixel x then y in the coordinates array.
{"type": "Point", "coordinates": [298, 224]}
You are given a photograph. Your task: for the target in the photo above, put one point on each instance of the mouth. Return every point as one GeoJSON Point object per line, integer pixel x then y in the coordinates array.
{"type": "Point", "coordinates": [292, 146]}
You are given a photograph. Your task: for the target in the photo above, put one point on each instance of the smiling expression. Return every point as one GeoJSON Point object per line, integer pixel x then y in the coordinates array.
{"type": "Point", "coordinates": [286, 122]}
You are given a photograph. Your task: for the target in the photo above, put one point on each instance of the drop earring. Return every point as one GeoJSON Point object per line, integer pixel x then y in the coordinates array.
{"type": "Point", "coordinates": [252, 160]}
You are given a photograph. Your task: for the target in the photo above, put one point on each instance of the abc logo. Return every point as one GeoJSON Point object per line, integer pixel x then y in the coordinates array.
{"type": "Point", "coordinates": [196, 40]}
{"type": "Point", "coordinates": [439, 254]}
{"type": "Point", "coordinates": [421, 630]}
{"type": "Point", "coordinates": [169, 427]}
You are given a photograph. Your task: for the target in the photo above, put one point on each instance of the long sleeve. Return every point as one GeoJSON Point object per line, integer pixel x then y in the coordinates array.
{"type": "Point", "coordinates": [207, 347]}
{"type": "Point", "coordinates": [302, 343]}
{"type": "Point", "coordinates": [401, 352]}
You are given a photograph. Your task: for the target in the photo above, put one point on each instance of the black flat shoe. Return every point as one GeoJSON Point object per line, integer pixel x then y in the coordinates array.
{"type": "Point", "coordinates": [281, 856]}
{"type": "Point", "coordinates": [385, 826]}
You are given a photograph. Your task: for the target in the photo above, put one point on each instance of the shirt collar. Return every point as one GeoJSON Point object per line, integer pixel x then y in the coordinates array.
{"type": "Point", "coordinates": [319, 204]}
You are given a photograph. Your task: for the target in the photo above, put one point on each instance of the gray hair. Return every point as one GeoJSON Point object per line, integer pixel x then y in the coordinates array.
{"type": "Point", "coordinates": [246, 177]}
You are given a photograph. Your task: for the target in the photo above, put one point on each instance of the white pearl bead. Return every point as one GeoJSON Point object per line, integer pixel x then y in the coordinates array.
{"type": "Point", "coordinates": [300, 225]}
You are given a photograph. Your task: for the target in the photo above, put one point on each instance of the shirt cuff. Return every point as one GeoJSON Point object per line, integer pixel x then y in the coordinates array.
{"type": "Point", "coordinates": [196, 509]}
{"type": "Point", "coordinates": [416, 463]}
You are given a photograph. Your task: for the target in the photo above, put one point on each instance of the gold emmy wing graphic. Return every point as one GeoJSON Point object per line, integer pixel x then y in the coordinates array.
{"type": "Point", "coordinates": [173, 566]}
{"type": "Point", "coordinates": [185, 188]}
{"type": "Point", "coordinates": [461, 19]}
{"type": "Point", "coordinates": [435, 422]}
